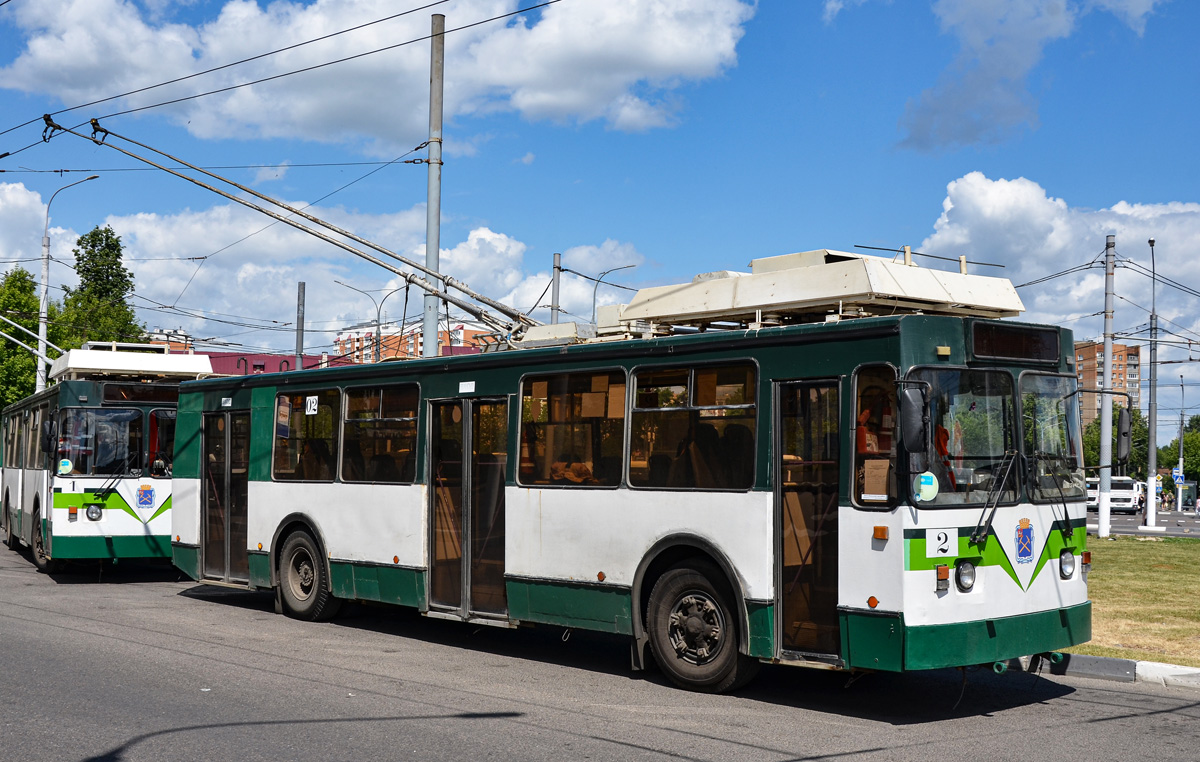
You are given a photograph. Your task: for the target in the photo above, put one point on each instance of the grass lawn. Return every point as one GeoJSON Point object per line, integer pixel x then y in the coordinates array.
{"type": "Point", "coordinates": [1145, 599]}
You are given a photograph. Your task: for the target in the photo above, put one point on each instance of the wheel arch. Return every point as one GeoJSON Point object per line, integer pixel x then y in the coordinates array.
{"type": "Point", "coordinates": [291, 523]}
{"type": "Point", "coordinates": [666, 553]}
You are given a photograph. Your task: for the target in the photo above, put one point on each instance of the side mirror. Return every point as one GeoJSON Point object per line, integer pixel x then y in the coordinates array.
{"type": "Point", "coordinates": [913, 420]}
{"type": "Point", "coordinates": [49, 436]}
{"type": "Point", "coordinates": [1124, 437]}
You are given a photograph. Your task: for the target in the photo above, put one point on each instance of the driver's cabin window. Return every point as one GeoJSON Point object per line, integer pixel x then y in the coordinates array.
{"type": "Point", "coordinates": [875, 435]}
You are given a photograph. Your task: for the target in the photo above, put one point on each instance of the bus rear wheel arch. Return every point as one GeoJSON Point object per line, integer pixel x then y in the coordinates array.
{"type": "Point", "coordinates": [10, 535]}
{"type": "Point", "coordinates": [303, 579]}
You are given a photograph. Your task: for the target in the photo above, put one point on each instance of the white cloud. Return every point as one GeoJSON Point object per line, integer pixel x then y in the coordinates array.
{"type": "Point", "coordinates": [834, 7]}
{"type": "Point", "coordinates": [578, 61]}
{"type": "Point", "coordinates": [983, 95]}
{"type": "Point", "coordinates": [1017, 224]}
{"type": "Point", "coordinates": [270, 174]}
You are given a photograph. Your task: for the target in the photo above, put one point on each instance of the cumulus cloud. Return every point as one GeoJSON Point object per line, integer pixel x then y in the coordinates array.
{"type": "Point", "coordinates": [1018, 224]}
{"type": "Point", "coordinates": [579, 61]}
{"type": "Point", "coordinates": [834, 7]}
{"type": "Point", "coordinates": [983, 95]}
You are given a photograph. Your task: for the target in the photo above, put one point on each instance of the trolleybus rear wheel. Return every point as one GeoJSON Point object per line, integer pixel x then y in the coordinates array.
{"type": "Point", "coordinates": [693, 630]}
{"type": "Point", "coordinates": [302, 580]}
{"type": "Point", "coordinates": [43, 563]}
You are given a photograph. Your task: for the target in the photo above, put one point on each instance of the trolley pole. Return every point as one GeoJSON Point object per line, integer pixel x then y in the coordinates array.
{"type": "Point", "coordinates": [433, 209]}
{"type": "Point", "coordinates": [1151, 518]}
{"type": "Point", "coordinates": [300, 326]}
{"type": "Point", "coordinates": [1106, 400]}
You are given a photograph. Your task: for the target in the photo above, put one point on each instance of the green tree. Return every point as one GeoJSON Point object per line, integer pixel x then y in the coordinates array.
{"type": "Point", "coordinates": [1168, 457]}
{"type": "Point", "coordinates": [19, 303]}
{"type": "Point", "coordinates": [98, 309]}
{"type": "Point", "coordinates": [1139, 453]}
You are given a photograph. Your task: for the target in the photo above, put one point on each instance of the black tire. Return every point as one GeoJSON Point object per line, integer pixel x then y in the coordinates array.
{"type": "Point", "coordinates": [303, 581]}
{"type": "Point", "coordinates": [43, 563]}
{"type": "Point", "coordinates": [693, 628]}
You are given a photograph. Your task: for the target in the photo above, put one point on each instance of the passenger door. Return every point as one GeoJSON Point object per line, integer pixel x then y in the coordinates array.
{"type": "Point", "coordinates": [469, 440]}
{"type": "Point", "coordinates": [807, 490]}
{"type": "Point", "coordinates": [226, 447]}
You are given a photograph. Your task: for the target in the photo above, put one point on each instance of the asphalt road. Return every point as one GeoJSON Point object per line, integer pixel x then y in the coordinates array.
{"type": "Point", "coordinates": [133, 664]}
{"type": "Point", "coordinates": [1172, 523]}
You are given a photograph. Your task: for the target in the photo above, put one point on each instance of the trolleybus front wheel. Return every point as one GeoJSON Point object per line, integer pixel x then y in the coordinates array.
{"type": "Point", "coordinates": [10, 537]}
{"type": "Point", "coordinates": [302, 580]}
{"type": "Point", "coordinates": [693, 630]}
{"type": "Point", "coordinates": [43, 562]}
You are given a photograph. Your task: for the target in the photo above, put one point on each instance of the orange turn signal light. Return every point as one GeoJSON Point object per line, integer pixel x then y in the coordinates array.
{"type": "Point", "coordinates": [73, 510]}
{"type": "Point", "coordinates": [600, 576]}
{"type": "Point", "coordinates": [880, 533]}
{"type": "Point", "coordinates": [1087, 557]}
{"type": "Point", "coordinates": [395, 559]}
{"type": "Point", "coordinates": [872, 601]}
{"type": "Point", "coordinates": [943, 571]}
{"type": "Point", "coordinates": [260, 546]}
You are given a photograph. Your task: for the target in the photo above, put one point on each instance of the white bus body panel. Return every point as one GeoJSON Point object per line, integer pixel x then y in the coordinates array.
{"type": "Point", "coordinates": [185, 511]}
{"type": "Point", "coordinates": [573, 534]}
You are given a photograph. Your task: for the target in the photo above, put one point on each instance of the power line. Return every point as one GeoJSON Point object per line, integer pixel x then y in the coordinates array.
{"type": "Point", "coordinates": [314, 67]}
{"type": "Point", "coordinates": [228, 65]}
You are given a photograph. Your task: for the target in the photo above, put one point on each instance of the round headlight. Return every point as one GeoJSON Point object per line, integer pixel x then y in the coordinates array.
{"type": "Point", "coordinates": [964, 576]}
{"type": "Point", "coordinates": [93, 513]}
{"type": "Point", "coordinates": [1066, 564]}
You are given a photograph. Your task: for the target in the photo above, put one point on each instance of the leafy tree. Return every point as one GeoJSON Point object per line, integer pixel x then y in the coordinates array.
{"type": "Point", "coordinates": [1168, 457]}
{"type": "Point", "coordinates": [98, 309]}
{"type": "Point", "coordinates": [19, 303]}
{"type": "Point", "coordinates": [1139, 453]}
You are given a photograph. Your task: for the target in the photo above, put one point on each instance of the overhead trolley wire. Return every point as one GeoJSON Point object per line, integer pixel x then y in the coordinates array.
{"type": "Point", "coordinates": [228, 65]}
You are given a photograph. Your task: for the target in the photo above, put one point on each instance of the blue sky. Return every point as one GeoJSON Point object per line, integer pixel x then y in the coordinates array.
{"type": "Point", "coordinates": [679, 137]}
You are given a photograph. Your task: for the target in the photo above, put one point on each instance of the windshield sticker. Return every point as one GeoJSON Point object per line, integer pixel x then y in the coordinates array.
{"type": "Point", "coordinates": [64, 466]}
{"type": "Point", "coordinates": [925, 486]}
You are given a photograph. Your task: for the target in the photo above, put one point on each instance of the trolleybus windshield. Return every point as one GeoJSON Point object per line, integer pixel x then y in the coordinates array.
{"type": "Point", "coordinates": [1050, 422]}
{"type": "Point", "coordinates": [100, 442]}
{"type": "Point", "coordinates": [973, 426]}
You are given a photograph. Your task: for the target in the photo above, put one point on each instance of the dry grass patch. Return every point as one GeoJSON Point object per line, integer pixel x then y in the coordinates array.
{"type": "Point", "coordinates": [1145, 599]}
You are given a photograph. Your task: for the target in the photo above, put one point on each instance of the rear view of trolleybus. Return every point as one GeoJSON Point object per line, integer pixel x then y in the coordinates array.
{"type": "Point", "coordinates": [87, 463]}
{"type": "Point", "coordinates": [833, 461]}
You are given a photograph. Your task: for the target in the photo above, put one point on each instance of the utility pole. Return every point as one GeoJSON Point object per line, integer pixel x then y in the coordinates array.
{"type": "Point", "coordinates": [1179, 486]}
{"type": "Point", "coordinates": [554, 308]}
{"type": "Point", "coordinates": [433, 218]}
{"type": "Point", "coordinates": [1151, 517]}
{"type": "Point", "coordinates": [300, 326]}
{"type": "Point", "coordinates": [1106, 400]}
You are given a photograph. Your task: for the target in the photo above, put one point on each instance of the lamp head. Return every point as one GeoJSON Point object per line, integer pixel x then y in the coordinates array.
{"type": "Point", "coordinates": [1152, 243]}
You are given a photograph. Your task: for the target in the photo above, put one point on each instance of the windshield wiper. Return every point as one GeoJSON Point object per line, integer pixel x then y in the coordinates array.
{"type": "Point", "coordinates": [1057, 460]}
{"type": "Point", "coordinates": [982, 527]}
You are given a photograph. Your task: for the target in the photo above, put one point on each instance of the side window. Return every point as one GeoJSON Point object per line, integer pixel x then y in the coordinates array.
{"type": "Point", "coordinates": [162, 442]}
{"type": "Point", "coordinates": [380, 435]}
{"type": "Point", "coordinates": [306, 425]}
{"type": "Point", "coordinates": [694, 428]}
{"type": "Point", "coordinates": [32, 459]}
{"type": "Point", "coordinates": [875, 435]}
{"type": "Point", "coordinates": [572, 429]}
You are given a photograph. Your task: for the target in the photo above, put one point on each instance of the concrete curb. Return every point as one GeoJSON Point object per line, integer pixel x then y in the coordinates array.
{"type": "Point", "coordinates": [1119, 670]}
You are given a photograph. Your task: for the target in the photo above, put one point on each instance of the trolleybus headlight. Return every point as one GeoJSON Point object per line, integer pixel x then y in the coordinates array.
{"type": "Point", "coordinates": [964, 576]}
{"type": "Point", "coordinates": [93, 513]}
{"type": "Point", "coordinates": [1066, 564]}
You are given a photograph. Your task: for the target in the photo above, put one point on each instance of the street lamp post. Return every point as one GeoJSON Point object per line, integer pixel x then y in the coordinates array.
{"type": "Point", "coordinates": [597, 286]}
{"type": "Point", "coordinates": [378, 314]}
{"type": "Point", "coordinates": [44, 302]}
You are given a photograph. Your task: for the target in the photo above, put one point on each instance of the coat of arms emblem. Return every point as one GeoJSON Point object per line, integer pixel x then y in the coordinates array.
{"type": "Point", "coordinates": [1024, 542]}
{"type": "Point", "coordinates": [145, 496]}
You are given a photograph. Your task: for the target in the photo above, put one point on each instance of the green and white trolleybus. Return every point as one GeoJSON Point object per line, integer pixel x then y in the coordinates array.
{"type": "Point", "coordinates": [87, 463]}
{"type": "Point", "coordinates": [833, 461]}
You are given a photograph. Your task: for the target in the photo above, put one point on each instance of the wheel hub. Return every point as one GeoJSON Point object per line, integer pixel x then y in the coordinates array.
{"type": "Point", "coordinates": [697, 628]}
